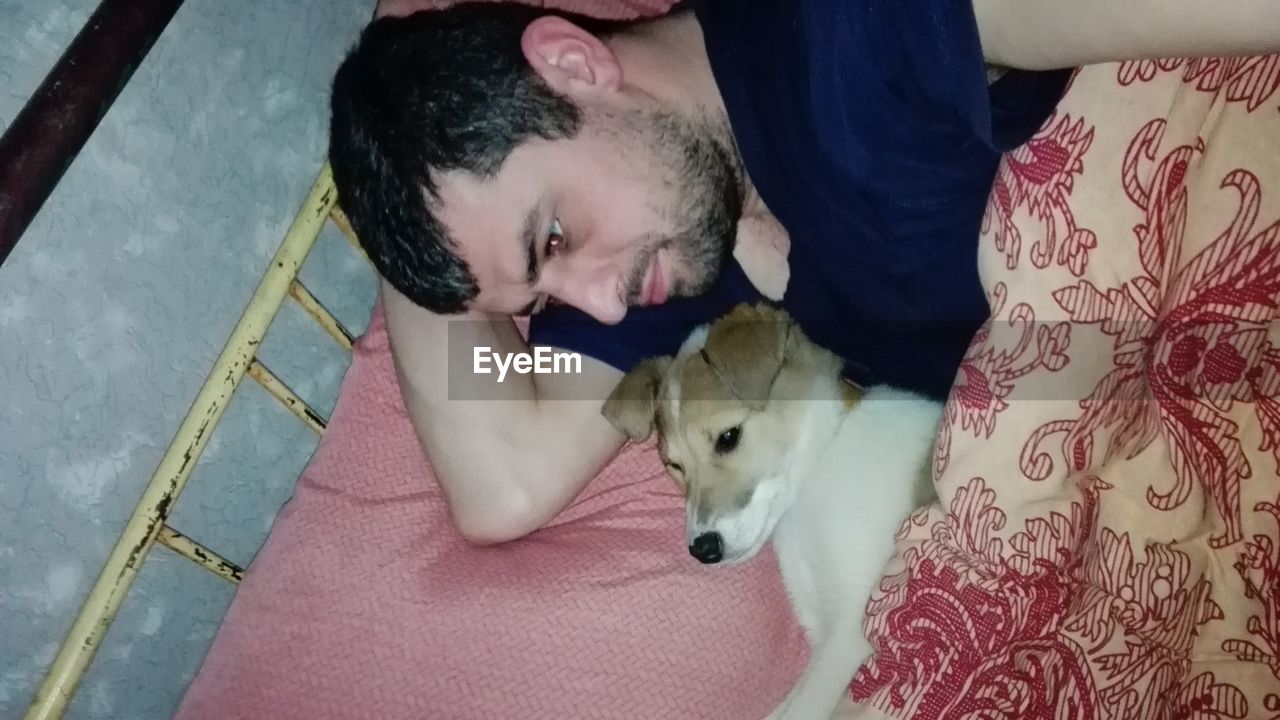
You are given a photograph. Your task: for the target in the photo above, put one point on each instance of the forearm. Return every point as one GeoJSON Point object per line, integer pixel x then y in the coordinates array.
{"type": "Point", "coordinates": [517, 477]}
{"type": "Point", "coordinates": [508, 456]}
{"type": "Point", "coordinates": [507, 467]}
{"type": "Point", "coordinates": [468, 424]}
{"type": "Point", "coordinates": [1045, 34]}
{"type": "Point", "coordinates": [491, 469]}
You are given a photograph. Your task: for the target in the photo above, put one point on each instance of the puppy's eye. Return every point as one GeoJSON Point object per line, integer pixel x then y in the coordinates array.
{"type": "Point", "coordinates": [728, 439]}
{"type": "Point", "coordinates": [675, 467]}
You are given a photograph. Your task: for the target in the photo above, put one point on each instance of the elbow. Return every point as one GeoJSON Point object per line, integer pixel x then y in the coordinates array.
{"type": "Point", "coordinates": [484, 530]}
{"type": "Point", "coordinates": [497, 521]}
{"type": "Point", "coordinates": [503, 498]}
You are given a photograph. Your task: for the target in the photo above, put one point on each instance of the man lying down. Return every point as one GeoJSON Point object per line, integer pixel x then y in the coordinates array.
{"type": "Point", "coordinates": [622, 183]}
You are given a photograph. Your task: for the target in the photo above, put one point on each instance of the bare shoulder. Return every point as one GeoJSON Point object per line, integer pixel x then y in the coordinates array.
{"type": "Point", "coordinates": [1047, 34]}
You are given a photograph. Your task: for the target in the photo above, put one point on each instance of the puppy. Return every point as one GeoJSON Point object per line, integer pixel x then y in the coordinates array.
{"type": "Point", "coordinates": [767, 441]}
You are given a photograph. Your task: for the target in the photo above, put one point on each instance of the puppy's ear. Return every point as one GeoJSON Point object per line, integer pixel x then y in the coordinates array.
{"type": "Point", "coordinates": [746, 350]}
{"type": "Point", "coordinates": [632, 404]}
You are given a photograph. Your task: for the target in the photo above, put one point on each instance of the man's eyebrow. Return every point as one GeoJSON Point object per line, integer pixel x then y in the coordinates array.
{"type": "Point", "coordinates": [530, 238]}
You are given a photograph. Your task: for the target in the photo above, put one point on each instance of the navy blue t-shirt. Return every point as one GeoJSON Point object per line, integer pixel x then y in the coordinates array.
{"type": "Point", "coordinates": [869, 130]}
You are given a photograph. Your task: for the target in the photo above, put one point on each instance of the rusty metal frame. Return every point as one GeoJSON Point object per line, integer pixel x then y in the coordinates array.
{"type": "Point", "coordinates": [57, 120]}
{"type": "Point", "coordinates": [148, 524]}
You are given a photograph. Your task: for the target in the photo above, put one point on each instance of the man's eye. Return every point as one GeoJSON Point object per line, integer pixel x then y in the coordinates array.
{"type": "Point", "coordinates": [556, 242]}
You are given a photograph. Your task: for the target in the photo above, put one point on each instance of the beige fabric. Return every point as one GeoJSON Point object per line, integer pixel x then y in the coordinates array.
{"type": "Point", "coordinates": [1107, 542]}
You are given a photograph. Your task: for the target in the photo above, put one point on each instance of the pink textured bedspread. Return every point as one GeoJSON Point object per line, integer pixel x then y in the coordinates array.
{"type": "Point", "coordinates": [364, 603]}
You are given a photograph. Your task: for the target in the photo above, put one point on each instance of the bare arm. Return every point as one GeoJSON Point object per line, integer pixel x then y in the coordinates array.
{"type": "Point", "coordinates": [507, 466]}
{"type": "Point", "coordinates": [1046, 34]}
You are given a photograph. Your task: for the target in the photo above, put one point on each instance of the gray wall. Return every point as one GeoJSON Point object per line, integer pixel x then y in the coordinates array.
{"type": "Point", "coordinates": [113, 307]}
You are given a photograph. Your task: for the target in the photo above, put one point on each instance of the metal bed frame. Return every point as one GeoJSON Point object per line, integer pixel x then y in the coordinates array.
{"type": "Point", "coordinates": [148, 525]}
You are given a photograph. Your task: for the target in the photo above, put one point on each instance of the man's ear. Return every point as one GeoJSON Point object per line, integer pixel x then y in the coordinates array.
{"type": "Point", "coordinates": [632, 404]}
{"type": "Point", "coordinates": [569, 59]}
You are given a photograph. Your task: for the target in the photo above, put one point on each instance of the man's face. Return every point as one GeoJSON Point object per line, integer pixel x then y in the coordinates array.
{"type": "Point", "coordinates": [637, 208]}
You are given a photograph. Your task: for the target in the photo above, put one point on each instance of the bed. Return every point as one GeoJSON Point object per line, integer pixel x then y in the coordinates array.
{"type": "Point", "coordinates": [1106, 542]}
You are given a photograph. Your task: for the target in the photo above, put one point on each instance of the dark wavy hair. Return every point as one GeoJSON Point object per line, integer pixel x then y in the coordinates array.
{"type": "Point", "coordinates": [436, 91]}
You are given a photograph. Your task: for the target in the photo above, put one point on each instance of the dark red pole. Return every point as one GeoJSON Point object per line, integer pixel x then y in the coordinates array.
{"type": "Point", "coordinates": [56, 122]}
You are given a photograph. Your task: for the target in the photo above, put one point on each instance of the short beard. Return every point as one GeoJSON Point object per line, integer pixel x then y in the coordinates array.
{"type": "Point", "coordinates": [708, 180]}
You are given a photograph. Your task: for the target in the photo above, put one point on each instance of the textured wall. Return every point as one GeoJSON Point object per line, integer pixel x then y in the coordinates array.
{"type": "Point", "coordinates": [113, 307]}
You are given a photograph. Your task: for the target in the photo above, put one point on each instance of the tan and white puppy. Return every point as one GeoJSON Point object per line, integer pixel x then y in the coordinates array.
{"type": "Point", "coordinates": [767, 441]}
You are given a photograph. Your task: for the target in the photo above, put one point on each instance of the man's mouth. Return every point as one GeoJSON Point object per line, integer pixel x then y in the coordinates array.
{"type": "Point", "coordinates": [655, 286]}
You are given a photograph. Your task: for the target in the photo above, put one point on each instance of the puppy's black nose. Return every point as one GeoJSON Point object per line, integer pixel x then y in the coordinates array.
{"type": "Point", "coordinates": [707, 548]}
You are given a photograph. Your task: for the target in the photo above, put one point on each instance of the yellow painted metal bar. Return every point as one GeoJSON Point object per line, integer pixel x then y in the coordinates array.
{"type": "Point", "coordinates": [340, 219]}
{"type": "Point", "coordinates": [321, 314]}
{"type": "Point", "coordinates": [199, 554]}
{"type": "Point", "coordinates": [287, 397]}
{"type": "Point", "coordinates": [99, 610]}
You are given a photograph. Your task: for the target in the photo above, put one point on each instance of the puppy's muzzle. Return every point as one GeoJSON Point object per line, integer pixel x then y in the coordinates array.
{"type": "Point", "coordinates": [708, 548]}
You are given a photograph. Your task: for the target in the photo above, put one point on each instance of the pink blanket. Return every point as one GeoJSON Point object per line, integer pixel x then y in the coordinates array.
{"type": "Point", "coordinates": [364, 603]}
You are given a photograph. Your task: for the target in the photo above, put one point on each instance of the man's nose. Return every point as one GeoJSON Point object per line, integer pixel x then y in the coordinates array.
{"type": "Point", "coordinates": [594, 291]}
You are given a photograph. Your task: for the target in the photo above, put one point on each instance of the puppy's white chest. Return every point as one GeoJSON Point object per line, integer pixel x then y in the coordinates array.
{"type": "Point", "coordinates": [799, 577]}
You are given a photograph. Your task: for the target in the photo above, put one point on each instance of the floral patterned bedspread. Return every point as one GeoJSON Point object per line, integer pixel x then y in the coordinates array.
{"type": "Point", "coordinates": [1107, 542]}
